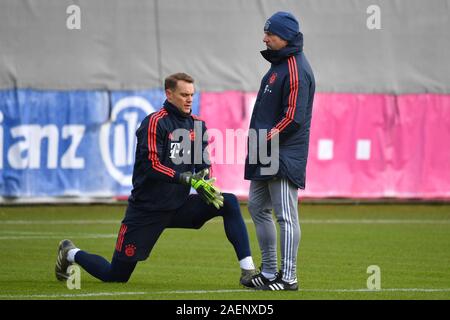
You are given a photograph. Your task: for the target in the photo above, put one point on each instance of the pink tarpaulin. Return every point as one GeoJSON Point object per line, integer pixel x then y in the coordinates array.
{"type": "Point", "coordinates": [361, 146]}
{"type": "Point", "coordinates": [223, 111]}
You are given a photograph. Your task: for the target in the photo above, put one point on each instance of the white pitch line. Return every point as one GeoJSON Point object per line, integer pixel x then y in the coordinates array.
{"type": "Point", "coordinates": [26, 233]}
{"type": "Point", "coordinates": [375, 221]}
{"type": "Point", "coordinates": [123, 293]}
{"type": "Point", "coordinates": [305, 221]}
{"type": "Point", "coordinates": [109, 294]}
{"type": "Point", "coordinates": [380, 290]}
{"type": "Point", "coordinates": [97, 294]}
{"type": "Point", "coordinates": [45, 237]}
{"type": "Point", "coordinates": [308, 290]}
{"type": "Point", "coordinates": [27, 222]}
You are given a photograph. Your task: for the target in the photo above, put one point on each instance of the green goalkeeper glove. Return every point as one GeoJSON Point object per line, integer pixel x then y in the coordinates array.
{"type": "Point", "coordinates": [201, 174]}
{"type": "Point", "coordinates": [186, 177]}
{"type": "Point", "coordinates": [205, 188]}
{"type": "Point", "coordinates": [208, 192]}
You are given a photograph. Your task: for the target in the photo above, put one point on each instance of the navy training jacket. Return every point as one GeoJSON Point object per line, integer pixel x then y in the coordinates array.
{"type": "Point", "coordinates": [284, 106]}
{"type": "Point", "coordinates": [159, 152]}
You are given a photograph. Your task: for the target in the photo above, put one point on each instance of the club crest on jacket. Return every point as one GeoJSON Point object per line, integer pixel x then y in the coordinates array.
{"type": "Point", "coordinates": [272, 78]}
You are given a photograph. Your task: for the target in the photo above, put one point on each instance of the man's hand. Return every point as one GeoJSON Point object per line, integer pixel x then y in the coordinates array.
{"type": "Point", "coordinates": [205, 188]}
{"type": "Point", "coordinates": [185, 178]}
{"type": "Point", "coordinates": [201, 174]}
{"type": "Point", "coordinates": [208, 192]}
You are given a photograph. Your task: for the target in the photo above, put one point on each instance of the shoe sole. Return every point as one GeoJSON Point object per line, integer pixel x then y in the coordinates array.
{"type": "Point", "coordinates": [61, 276]}
{"type": "Point", "coordinates": [59, 273]}
{"type": "Point", "coordinates": [246, 286]}
{"type": "Point", "coordinates": [277, 288]}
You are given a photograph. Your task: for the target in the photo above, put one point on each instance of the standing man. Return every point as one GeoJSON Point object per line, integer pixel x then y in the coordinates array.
{"type": "Point", "coordinates": [282, 114]}
{"type": "Point", "coordinates": [165, 169]}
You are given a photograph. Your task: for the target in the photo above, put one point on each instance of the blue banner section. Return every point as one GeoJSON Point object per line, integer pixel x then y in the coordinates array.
{"type": "Point", "coordinates": [71, 143]}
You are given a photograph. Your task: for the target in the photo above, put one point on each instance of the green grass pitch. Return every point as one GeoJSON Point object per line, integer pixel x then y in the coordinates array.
{"type": "Point", "coordinates": [409, 242]}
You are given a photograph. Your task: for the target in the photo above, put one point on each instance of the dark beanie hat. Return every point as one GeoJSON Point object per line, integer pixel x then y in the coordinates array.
{"type": "Point", "coordinates": [283, 24]}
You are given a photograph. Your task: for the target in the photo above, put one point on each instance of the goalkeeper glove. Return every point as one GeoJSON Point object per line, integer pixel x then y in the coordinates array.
{"type": "Point", "coordinates": [185, 178]}
{"type": "Point", "coordinates": [201, 174]}
{"type": "Point", "coordinates": [205, 188]}
{"type": "Point", "coordinates": [208, 192]}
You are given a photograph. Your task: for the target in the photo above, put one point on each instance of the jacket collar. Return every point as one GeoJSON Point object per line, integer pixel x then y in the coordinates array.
{"type": "Point", "coordinates": [294, 47]}
{"type": "Point", "coordinates": [174, 110]}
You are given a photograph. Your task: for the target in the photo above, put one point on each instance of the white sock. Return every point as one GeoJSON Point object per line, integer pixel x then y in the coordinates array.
{"type": "Point", "coordinates": [270, 276]}
{"type": "Point", "coordinates": [247, 263]}
{"type": "Point", "coordinates": [71, 254]}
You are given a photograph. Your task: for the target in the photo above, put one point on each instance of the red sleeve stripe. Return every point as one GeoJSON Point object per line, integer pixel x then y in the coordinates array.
{"type": "Point", "coordinates": [153, 151]}
{"type": "Point", "coordinates": [153, 154]}
{"type": "Point", "coordinates": [294, 84]}
{"type": "Point", "coordinates": [292, 100]}
{"type": "Point", "coordinates": [123, 230]}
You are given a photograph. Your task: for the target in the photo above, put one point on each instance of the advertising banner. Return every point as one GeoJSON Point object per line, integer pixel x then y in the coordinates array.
{"type": "Point", "coordinates": [71, 143]}
{"type": "Point", "coordinates": [361, 145]}
{"type": "Point", "coordinates": [82, 143]}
